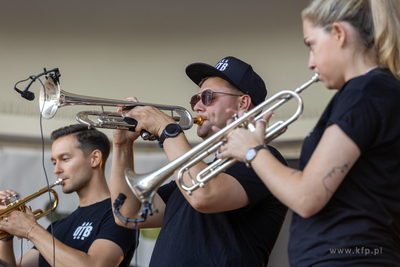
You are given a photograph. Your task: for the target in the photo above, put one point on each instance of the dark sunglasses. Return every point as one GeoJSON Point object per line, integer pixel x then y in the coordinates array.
{"type": "Point", "coordinates": [206, 97]}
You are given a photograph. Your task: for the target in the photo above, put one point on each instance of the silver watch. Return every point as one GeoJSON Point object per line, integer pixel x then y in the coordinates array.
{"type": "Point", "coordinates": [251, 154]}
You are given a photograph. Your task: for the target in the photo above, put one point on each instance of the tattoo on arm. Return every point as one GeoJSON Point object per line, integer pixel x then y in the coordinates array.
{"type": "Point", "coordinates": [342, 169]}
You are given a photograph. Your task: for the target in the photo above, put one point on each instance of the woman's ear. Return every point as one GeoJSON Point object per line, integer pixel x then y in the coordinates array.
{"type": "Point", "coordinates": [96, 158]}
{"type": "Point", "coordinates": [339, 31]}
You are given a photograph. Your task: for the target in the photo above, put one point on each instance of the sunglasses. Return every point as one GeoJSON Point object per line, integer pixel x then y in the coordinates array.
{"type": "Point", "coordinates": [206, 97]}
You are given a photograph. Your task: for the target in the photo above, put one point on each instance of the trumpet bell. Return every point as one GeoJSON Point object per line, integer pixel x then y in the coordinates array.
{"type": "Point", "coordinates": [49, 99]}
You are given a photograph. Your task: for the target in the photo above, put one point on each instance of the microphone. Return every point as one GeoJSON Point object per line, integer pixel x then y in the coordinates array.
{"type": "Point", "coordinates": [28, 95]}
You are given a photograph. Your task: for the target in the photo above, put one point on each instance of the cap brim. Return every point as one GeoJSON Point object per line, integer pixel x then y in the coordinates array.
{"type": "Point", "coordinates": [198, 71]}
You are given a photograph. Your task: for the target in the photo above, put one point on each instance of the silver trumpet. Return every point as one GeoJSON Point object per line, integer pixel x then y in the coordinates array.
{"type": "Point", "coordinates": [52, 98]}
{"type": "Point", "coordinates": [144, 186]}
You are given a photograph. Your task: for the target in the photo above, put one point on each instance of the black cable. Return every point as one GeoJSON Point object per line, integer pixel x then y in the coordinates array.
{"type": "Point", "coordinates": [47, 181]}
{"type": "Point", "coordinates": [22, 248]}
{"type": "Point", "coordinates": [132, 222]}
{"type": "Point", "coordinates": [30, 95]}
{"type": "Point", "coordinates": [136, 246]}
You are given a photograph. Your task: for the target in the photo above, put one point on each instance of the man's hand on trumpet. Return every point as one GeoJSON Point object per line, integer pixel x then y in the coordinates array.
{"type": "Point", "coordinates": [4, 196]}
{"type": "Point", "coordinates": [149, 118]}
{"type": "Point", "coordinates": [121, 137]}
{"type": "Point", "coordinates": [16, 223]}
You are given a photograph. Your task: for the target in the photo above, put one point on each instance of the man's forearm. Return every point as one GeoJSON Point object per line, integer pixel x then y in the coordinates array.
{"type": "Point", "coordinates": [7, 252]}
{"type": "Point", "coordinates": [65, 256]}
{"type": "Point", "coordinates": [122, 159]}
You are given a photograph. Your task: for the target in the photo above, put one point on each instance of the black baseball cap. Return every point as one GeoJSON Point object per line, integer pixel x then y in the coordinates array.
{"type": "Point", "coordinates": [238, 73]}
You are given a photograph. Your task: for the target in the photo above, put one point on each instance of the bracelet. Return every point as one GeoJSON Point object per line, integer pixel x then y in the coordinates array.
{"type": "Point", "coordinates": [30, 230]}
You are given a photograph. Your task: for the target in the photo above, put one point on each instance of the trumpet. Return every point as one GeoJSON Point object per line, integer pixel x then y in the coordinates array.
{"type": "Point", "coordinates": [52, 98]}
{"type": "Point", "coordinates": [144, 186]}
{"type": "Point", "coordinates": [18, 204]}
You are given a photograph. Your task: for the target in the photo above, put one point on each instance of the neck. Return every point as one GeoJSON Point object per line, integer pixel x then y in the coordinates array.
{"type": "Point", "coordinates": [360, 63]}
{"type": "Point", "coordinates": [372, 68]}
{"type": "Point", "coordinates": [361, 69]}
{"type": "Point", "coordinates": [94, 191]}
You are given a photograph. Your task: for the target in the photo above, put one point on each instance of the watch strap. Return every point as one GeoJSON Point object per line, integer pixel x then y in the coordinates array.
{"type": "Point", "coordinates": [257, 148]}
{"type": "Point", "coordinates": [165, 134]}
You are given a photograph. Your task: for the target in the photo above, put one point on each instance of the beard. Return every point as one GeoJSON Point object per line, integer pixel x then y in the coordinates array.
{"type": "Point", "coordinates": [205, 131]}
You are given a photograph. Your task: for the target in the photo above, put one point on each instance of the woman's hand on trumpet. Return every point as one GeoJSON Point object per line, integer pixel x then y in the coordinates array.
{"type": "Point", "coordinates": [240, 140]}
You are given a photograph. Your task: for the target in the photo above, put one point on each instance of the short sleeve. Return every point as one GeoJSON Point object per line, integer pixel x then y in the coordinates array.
{"type": "Point", "coordinates": [109, 230]}
{"type": "Point", "coordinates": [255, 188]}
{"type": "Point", "coordinates": [353, 107]}
{"type": "Point", "coordinates": [166, 190]}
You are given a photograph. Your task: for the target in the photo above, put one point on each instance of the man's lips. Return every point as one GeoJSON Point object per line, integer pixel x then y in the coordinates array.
{"type": "Point", "coordinates": [63, 180]}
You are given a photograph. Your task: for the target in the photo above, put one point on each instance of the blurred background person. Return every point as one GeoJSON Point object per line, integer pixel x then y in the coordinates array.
{"type": "Point", "coordinates": [89, 236]}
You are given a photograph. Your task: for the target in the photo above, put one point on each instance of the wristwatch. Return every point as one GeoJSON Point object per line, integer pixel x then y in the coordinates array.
{"type": "Point", "coordinates": [251, 154]}
{"type": "Point", "coordinates": [171, 130]}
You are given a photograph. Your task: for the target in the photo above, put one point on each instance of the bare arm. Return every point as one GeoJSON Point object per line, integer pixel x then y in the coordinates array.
{"type": "Point", "coordinates": [7, 252]}
{"type": "Point", "coordinates": [101, 252]}
{"type": "Point", "coordinates": [308, 191]}
{"type": "Point", "coordinates": [123, 157]}
{"type": "Point", "coordinates": [30, 259]}
{"type": "Point", "coordinates": [221, 193]}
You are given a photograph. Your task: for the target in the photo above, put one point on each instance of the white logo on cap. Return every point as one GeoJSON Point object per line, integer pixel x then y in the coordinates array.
{"type": "Point", "coordinates": [222, 65]}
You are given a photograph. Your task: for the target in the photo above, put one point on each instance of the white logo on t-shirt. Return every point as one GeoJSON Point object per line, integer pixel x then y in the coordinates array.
{"type": "Point", "coordinates": [83, 231]}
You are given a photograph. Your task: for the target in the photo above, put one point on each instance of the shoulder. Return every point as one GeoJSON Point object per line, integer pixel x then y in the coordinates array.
{"type": "Point", "coordinates": [166, 190]}
{"type": "Point", "coordinates": [277, 154]}
{"type": "Point", "coordinates": [377, 83]}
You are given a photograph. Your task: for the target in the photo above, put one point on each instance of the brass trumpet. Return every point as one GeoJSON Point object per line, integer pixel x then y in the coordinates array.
{"type": "Point", "coordinates": [20, 205]}
{"type": "Point", "coordinates": [52, 98]}
{"type": "Point", "coordinates": [144, 186]}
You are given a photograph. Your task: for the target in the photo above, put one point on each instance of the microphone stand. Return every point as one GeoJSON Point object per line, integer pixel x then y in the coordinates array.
{"type": "Point", "coordinates": [30, 95]}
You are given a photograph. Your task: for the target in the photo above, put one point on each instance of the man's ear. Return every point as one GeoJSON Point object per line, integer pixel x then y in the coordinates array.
{"type": "Point", "coordinates": [244, 102]}
{"type": "Point", "coordinates": [339, 31]}
{"type": "Point", "coordinates": [96, 158]}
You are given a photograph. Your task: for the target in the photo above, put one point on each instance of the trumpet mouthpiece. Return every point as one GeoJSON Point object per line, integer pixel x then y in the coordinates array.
{"type": "Point", "coordinates": [198, 120]}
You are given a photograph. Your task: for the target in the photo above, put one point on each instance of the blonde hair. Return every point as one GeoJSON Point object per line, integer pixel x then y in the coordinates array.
{"type": "Point", "coordinates": [377, 23]}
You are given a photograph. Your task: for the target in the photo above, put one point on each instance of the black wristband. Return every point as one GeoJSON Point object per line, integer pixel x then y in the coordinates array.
{"type": "Point", "coordinates": [171, 130]}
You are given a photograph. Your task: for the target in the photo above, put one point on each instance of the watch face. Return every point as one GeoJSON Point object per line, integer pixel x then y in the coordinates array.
{"type": "Point", "coordinates": [172, 129]}
{"type": "Point", "coordinates": [250, 154]}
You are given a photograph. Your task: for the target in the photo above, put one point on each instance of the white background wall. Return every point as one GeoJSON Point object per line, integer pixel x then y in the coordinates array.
{"type": "Point", "coordinates": [116, 49]}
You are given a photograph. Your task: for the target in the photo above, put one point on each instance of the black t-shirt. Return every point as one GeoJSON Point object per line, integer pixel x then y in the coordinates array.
{"type": "Point", "coordinates": [86, 224]}
{"type": "Point", "coordinates": [360, 225]}
{"type": "Point", "coordinates": [242, 237]}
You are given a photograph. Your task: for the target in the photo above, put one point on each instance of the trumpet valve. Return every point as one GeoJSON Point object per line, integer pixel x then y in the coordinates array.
{"type": "Point", "coordinates": [251, 127]}
{"type": "Point", "coordinates": [10, 200]}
